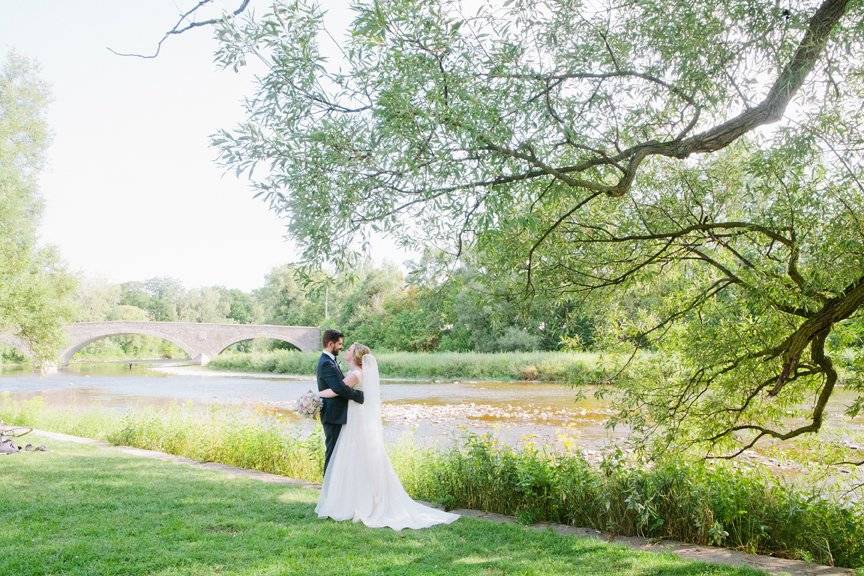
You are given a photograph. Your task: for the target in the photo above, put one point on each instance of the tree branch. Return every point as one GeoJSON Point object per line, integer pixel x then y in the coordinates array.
{"type": "Point", "coordinates": [179, 28]}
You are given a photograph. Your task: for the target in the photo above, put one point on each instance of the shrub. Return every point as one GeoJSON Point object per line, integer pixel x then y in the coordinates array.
{"type": "Point", "coordinates": [518, 340]}
{"type": "Point", "coordinates": [717, 504]}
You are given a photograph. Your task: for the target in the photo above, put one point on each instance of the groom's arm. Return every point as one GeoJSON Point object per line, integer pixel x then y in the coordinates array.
{"type": "Point", "coordinates": [350, 381]}
{"type": "Point", "coordinates": [334, 383]}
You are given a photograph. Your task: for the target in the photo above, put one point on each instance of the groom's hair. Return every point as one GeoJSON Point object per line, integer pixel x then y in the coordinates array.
{"type": "Point", "coordinates": [332, 336]}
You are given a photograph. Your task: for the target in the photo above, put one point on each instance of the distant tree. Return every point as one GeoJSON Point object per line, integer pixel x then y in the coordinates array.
{"type": "Point", "coordinates": [127, 312]}
{"type": "Point", "coordinates": [35, 290]}
{"type": "Point", "coordinates": [241, 306]}
{"type": "Point", "coordinates": [159, 296]}
{"type": "Point", "coordinates": [96, 300]}
{"type": "Point", "coordinates": [396, 319]}
{"type": "Point", "coordinates": [210, 304]}
{"type": "Point", "coordinates": [287, 298]}
{"type": "Point", "coordinates": [471, 307]}
{"type": "Point", "coordinates": [365, 296]}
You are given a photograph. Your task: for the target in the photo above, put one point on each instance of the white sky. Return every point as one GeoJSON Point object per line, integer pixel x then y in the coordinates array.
{"type": "Point", "coordinates": [131, 189]}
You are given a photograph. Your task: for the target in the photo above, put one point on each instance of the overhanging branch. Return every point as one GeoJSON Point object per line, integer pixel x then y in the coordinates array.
{"type": "Point", "coordinates": [183, 26]}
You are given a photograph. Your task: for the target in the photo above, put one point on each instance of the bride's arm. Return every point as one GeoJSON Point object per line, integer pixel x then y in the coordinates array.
{"type": "Point", "coordinates": [350, 380]}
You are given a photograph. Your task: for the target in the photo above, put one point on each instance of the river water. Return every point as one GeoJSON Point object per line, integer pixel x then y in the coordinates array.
{"type": "Point", "coordinates": [423, 413]}
{"type": "Point", "coordinates": [550, 416]}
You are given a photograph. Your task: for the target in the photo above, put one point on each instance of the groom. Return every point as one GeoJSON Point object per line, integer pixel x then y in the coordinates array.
{"type": "Point", "coordinates": [334, 411]}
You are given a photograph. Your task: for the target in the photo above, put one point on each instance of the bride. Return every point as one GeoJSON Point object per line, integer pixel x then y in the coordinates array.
{"type": "Point", "coordinates": [360, 483]}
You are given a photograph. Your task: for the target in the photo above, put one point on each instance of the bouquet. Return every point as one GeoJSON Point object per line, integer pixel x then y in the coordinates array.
{"type": "Point", "coordinates": [308, 405]}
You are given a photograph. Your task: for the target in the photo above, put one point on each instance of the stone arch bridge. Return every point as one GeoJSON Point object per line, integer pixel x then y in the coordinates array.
{"type": "Point", "coordinates": [201, 341]}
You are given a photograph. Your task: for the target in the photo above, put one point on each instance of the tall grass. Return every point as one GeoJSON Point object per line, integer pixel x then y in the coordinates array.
{"type": "Point", "coordinates": [217, 434]}
{"type": "Point", "coordinates": [567, 367]}
{"type": "Point", "coordinates": [717, 504]}
{"type": "Point", "coordinates": [690, 502]}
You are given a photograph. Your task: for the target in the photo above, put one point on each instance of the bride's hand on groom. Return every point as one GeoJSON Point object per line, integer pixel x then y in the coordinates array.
{"type": "Point", "coordinates": [351, 380]}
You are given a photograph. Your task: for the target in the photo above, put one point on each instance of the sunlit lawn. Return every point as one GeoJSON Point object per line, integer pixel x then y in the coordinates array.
{"type": "Point", "coordinates": [83, 510]}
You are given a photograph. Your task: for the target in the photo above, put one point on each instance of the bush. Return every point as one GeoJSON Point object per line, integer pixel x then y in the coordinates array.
{"type": "Point", "coordinates": [518, 340]}
{"type": "Point", "coordinates": [10, 356]}
{"type": "Point", "coordinates": [692, 502]}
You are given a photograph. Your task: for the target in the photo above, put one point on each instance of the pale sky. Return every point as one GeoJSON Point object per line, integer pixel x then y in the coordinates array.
{"type": "Point", "coordinates": [131, 190]}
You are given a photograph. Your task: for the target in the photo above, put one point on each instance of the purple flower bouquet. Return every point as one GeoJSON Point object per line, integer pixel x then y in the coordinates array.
{"type": "Point", "coordinates": [308, 405]}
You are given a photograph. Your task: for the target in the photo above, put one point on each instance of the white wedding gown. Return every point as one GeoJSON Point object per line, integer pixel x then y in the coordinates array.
{"type": "Point", "coordinates": [360, 483]}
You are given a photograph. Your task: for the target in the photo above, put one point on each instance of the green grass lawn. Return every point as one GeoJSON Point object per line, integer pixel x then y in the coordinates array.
{"type": "Point", "coordinates": [83, 510]}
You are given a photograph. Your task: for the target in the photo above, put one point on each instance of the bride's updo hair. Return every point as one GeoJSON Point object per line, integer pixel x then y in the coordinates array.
{"type": "Point", "coordinates": [360, 350]}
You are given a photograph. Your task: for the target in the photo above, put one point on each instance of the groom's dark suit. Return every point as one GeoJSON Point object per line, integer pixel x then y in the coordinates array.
{"type": "Point", "coordinates": [334, 412]}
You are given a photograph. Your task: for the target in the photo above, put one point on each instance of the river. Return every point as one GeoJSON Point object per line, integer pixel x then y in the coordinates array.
{"type": "Point", "coordinates": [426, 414]}
{"type": "Point", "coordinates": [423, 413]}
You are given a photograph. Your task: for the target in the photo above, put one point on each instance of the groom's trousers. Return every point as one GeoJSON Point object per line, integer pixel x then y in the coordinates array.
{"type": "Point", "coordinates": [331, 434]}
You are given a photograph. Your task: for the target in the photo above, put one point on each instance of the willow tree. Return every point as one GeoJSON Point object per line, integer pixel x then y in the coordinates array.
{"type": "Point", "coordinates": [702, 157]}
{"type": "Point", "coordinates": [34, 290]}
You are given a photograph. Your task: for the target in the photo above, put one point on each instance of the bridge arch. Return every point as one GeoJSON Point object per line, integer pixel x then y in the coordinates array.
{"type": "Point", "coordinates": [16, 343]}
{"type": "Point", "coordinates": [69, 352]}
{"type": "Point", "coordinates": [301, 337]}
{"type": "Point", "coordinates": [227, 344]}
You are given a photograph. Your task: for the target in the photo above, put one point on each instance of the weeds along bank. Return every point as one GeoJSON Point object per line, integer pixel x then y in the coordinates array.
{"type": "Point", "coordinates": [691, 502]}
{"type": "Point", "coordinates": [566, 367]}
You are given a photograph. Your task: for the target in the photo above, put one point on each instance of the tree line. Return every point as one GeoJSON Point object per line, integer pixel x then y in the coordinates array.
{"type": "Point", "coordinates": [379, 305]}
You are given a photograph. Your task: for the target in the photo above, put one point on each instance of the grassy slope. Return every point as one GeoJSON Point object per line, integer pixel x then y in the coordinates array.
{"type": "Point", "coordinates": [80, 510]}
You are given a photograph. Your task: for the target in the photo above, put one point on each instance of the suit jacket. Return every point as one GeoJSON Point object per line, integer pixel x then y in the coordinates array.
{"type": "Point", "coordinates": [335, 410]}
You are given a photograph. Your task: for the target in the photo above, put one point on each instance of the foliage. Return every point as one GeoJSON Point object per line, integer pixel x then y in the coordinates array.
{"type": "Point", "coordinates": [435, 124]}
{"type": "Point", "coordinates": [97, 299]}
{"type": "Point", "coordinates": [35, 290]}
{"type": "Point", "coordinates": [732, 291]}
{"type": "Point", "coordinates": [614, 154]}
{"type": "Point", "coordinates": [285, 299]}
{"type": "Point", "coordinates": [129, 346]}
{"type": "Point", "coordinates": [570, 368]}
{"type": "Point", "coordinates": [518, 340]}
{"type": "Point", "coordinates": [692, 502]}
{"type": "Point", "coordinates": [158, 296]}
{"type": "Point", "coordinates": [241, 306]}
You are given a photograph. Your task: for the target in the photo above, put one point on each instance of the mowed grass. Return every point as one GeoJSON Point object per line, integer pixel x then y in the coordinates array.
{"type": "Point", "coordinates": [85, 510]}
